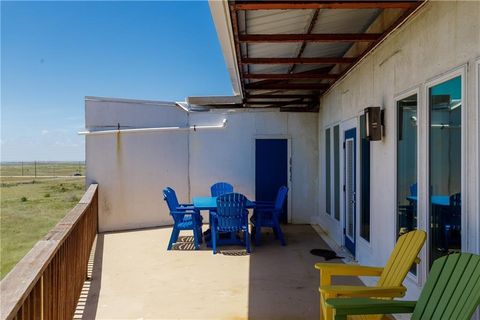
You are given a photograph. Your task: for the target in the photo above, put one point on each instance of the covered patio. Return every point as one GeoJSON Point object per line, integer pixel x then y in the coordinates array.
{"type": "Point", "coordinates": [134, 277]}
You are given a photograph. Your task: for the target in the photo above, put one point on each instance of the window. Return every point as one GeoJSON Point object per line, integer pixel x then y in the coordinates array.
{"type": "Point", "coordinates": [364, 182]}
{"type": "Point", "coordinates": [407, 196]}
{"type": "Point", "coordinates": [445, 169]}
{"type": "Point", "coordinates": [336, 171]}
{"type": "Point", "coordinates": [328, 198]}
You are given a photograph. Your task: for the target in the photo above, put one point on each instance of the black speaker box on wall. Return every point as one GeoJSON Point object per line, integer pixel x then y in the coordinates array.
{"type": "Point", "coordinates": [374, 123]}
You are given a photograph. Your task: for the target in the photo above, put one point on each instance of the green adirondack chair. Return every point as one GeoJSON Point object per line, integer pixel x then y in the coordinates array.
{"type": "Point", "coordinates": [452, 291]}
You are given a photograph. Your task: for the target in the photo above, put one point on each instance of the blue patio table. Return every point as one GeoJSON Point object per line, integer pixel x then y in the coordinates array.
{"type": "Point", "coordinates": [210, 203]}
{"type": "Point", "coordinates": [436, 200]}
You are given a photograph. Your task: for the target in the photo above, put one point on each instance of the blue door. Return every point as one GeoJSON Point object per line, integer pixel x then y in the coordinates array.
{"type": "Point", "coordinates": [349, 146]}
{"type": "Point", "coordinates": [271, 170]}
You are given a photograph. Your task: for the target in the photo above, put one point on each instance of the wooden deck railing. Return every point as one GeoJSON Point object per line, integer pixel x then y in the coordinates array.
{"type": "Point", "coordinates": [47, 282]}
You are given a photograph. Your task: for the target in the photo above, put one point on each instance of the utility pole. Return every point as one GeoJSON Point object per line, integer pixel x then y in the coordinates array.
{"type": "Point", "coordinates": [22, 168]}
{"type": "Point", "coordinates": [35, 165]}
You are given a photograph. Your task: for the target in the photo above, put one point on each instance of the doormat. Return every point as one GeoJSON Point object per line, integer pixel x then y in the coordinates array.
{"type": "Point", "coordinates": [326, 254]}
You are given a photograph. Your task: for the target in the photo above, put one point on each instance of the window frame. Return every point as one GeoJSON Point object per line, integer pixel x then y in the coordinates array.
{"type": "Point", "coordinates": [405, 94]}
{"type": "Point", "coordinates": [444, 77]}
{"type": "Point", "coordinates": [336, 166]}
{"type": "Point", "coordinates": [328, 176]}
{"type": "Point", "coordinates": [360, 192]}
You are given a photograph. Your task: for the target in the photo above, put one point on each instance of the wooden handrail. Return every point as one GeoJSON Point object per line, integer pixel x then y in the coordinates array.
{"type": "Point", "coordinates": [47, 282]}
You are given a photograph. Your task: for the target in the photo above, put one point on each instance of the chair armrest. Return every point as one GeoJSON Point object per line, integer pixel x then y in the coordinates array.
{"type": "Point", "coordinates": [360, 291]}
{"type": "Point", "coordinates": [340, 269]}
{"type": "Point", "coordinates": [358, 306]}
{"type": "Point", "coordinates": [183, 213]}
{"type": "Point", "coordinates": [185, 207]}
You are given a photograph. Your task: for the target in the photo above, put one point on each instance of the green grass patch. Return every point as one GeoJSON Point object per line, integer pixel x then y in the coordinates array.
{"type": "Point", "coordinates": [24, 222]}
{"type": "Point", "coordinates": [54, 169]}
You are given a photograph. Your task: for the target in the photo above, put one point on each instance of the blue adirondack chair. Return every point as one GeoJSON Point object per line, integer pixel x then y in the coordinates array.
{"type": "Point", "coordinates": [177, 206]}
{"type": "Point", "coordinates": [231, 216]}
{"type": "Point", "coordinates": [216, 190]}
{"type": "Point", "coordinates": [185, 217]}
{"type": "Point", "coordinates": [220, 188]}
{"type": "Point", "coordinates": [267, 215]}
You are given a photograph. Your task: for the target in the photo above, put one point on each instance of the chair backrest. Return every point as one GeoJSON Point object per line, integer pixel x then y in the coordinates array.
{"type": "Point", "coordinates": [281, 197]}
{"type": "Point", "coordinates": [452, 290]}
{"type": "Point", "coordinates": [170, 197]}
{"type": "Point", "coordinates": [413, 189]}
{"type": "Point", "coordinates": [232, 214]}
{"type": "Point", "coordinates": [456, 200]}
{"type": "Point", "coordinates": [220, 188]}
{"type": "Point", "coordinates": [402, 258]}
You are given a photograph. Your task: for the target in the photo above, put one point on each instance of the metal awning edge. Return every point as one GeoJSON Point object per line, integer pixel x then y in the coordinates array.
{"type": "Point", "coordinates": [220, 12]}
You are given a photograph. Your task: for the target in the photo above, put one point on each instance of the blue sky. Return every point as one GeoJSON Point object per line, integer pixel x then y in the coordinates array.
{"type": "Point", "coordinates": [53, 54]}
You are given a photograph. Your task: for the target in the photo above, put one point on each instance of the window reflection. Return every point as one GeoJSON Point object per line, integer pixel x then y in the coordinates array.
{"type": "Point", "coordinates": [407, 166]}
{"type": "Point", "coordinates": [327, 173]}
{"type": "Point", "coordinates": [445, 105]}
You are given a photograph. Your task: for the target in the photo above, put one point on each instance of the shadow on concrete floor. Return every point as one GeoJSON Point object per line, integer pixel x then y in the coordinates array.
{"type": "Point", "coordinates": [283, 282]}
{"type": "Point", "coordinates": [88, 302]}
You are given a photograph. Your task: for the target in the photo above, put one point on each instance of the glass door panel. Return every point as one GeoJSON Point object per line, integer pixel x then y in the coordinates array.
{"type": "Point", "coordinates": [407, 166]}
{"type": "Point", "coordinates": [445, 131]}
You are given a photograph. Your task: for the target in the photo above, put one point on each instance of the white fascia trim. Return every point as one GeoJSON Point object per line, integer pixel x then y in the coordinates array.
{"type": "Point", "coordinates": [135, 101]}
{"type": "Point", "coordinates": [156, 129]}
{"type": "Point", "coordinates": [213, 100]}
{"type": "Point", "coordinates": [223, 25]}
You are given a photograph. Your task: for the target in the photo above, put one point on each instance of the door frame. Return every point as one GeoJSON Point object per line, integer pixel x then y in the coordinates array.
{"type": "Point", "coordinates": [448, 75]}
{"type": "Point", "coordinates": [416, 90]}
{"type": "Point", "coordinates": [289, 169]}
{"type": "Point", "coordinates": [352, 134]}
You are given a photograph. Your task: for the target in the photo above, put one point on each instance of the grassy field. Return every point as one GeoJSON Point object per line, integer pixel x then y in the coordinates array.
{"type": "Point", "coordinates": [38, 168]}
{"type": "Point", "coordinates": [29, 209]}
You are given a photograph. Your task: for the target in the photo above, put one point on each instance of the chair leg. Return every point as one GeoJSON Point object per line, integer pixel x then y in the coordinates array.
{"type": "Point", "coordinates": [279, 232]}
{"type": "Point", "coordinates": [258, 235]}
{"type": "Point", "coordinates": [247, 239]}
{"type": "Point", "coordinates": [200, 234]}
{"type": "Point", "coordinates": [173, 238]}
{"type": "Point", "coordinates": [275, 233]}
{"type": "Point", "coordinates": [213, 236]}
{"type": "Point", "coordinates": [196, 237]}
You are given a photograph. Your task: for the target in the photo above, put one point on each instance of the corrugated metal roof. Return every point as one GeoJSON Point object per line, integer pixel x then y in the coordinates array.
{"type": "Point", "coordinates": [321, 42]}
{"type": "Point", "coordinates": [298, 22]}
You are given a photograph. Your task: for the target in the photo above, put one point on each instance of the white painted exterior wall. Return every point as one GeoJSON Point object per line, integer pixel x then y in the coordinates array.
{"type": "Point", "coordinates": [132, 169]}
{"type": "Point", "coordinates": [443, 36]}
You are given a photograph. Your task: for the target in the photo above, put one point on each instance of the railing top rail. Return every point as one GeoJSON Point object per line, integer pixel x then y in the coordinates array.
{"type": "Point", "coordinates": [19, 282]}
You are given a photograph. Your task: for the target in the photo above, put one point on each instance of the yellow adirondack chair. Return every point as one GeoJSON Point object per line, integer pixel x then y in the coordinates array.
{"type": "Point", "coordinates": [389, 285]}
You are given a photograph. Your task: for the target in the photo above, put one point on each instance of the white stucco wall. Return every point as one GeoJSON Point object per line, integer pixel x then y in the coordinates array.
{"type": "Point", "coordinates": [132, 169]}
{"type": "Point", "coordinates": [443, 36]}
{"type": "Point", "coordinates": [229, 155]}
{"type": "Point", "coordinates": [129, 168]}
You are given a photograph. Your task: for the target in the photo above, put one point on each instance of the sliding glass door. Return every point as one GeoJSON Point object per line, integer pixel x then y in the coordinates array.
{"type": "Point", "coordinates": [407, 195]}
{"type": "Point", "coordinates": [445, 163]}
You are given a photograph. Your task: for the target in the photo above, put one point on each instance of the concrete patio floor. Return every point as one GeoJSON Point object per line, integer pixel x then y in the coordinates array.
{"type": "Point", "coordinates": [135, 277]}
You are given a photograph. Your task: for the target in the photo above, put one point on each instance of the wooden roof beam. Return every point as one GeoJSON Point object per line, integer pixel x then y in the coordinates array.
{"type": "Point", "coordinates": [288, 76]}
{"type": "Point", "coordinates": [313, 37]}
{"type": "Point", "coordinates": [283, 103]}
{"type": "Point", "coordinates": [288, 86]}
{"type": "Point", "coordinates": [286, 5]}
{"type": "Point", "coordinates": [281, 96]}
{"type": "Point", "coordinates": [326, 60]}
